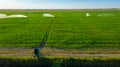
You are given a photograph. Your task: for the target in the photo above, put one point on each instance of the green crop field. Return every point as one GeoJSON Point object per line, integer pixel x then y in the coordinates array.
{"type": "Point", "coordinates": [71, 29]}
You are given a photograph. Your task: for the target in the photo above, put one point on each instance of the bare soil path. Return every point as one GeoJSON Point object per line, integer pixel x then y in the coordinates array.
{"type": "Point", "coordinates": [59, 52]}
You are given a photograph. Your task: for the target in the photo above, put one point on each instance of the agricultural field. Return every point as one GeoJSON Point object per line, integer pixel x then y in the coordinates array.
{"type": "Point", "coordinates": [77, 38]}
{"type": "Point", "coordinates": [70, 29]}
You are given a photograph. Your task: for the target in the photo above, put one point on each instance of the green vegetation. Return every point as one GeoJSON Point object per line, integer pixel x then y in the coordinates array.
{"type": "Point", "coordinates": [71, 29]}
{"type": "Point", "coordinates": [58, 62]}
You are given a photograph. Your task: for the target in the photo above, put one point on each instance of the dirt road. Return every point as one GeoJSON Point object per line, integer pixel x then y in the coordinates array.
{"type": "Point", "coordinates": [67, 55]}
{"type": "Point", "coordinates": [59, 52]}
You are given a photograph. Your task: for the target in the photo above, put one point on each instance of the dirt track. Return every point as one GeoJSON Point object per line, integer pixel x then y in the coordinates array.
{"type": "Point", "coordinates": [57, 52]}
{"type": "Point", "coordinates": [68, 55]}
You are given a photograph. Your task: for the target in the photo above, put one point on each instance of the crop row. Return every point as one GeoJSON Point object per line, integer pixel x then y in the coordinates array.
{"type": "Point", "coordinates": [58, 62]}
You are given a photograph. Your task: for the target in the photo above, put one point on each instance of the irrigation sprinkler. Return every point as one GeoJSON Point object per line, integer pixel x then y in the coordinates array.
{"type": "Point", "coordinates": [37, 51]}
{"type": "Point", "coordinates": [87, 14]}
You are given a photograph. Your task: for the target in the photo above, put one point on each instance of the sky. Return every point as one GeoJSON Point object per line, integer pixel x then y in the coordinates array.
{"type": "Point", "coordinates": [58, 4]}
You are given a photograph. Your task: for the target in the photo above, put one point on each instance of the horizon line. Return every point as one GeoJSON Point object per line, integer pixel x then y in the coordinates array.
{"type": "Point", "coordinates": [55, 8]}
